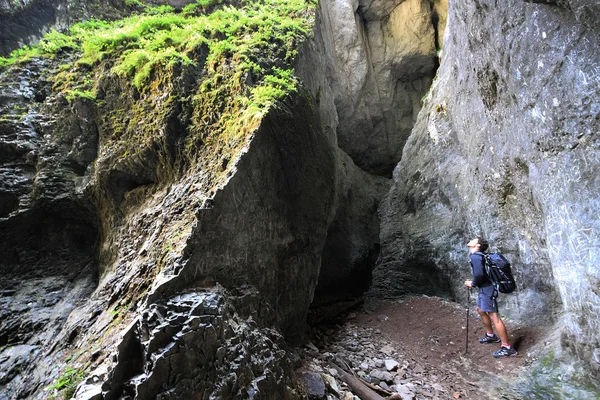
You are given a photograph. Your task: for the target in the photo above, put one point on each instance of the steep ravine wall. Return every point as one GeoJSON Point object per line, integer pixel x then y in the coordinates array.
{"type": "Point", "coordinates": [236, 280]}
{"type": "Point", "coordinates": [353, 236]}
{"type": "Point", "coordinates": [230, 261]}
{"type": "Point", "coordinates": [507, 146]}
{"type": "Point", "coordinates": [48, 230]}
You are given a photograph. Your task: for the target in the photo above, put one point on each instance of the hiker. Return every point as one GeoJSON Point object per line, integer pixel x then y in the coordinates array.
{"type": "Point", "coordinates": [487, 307]}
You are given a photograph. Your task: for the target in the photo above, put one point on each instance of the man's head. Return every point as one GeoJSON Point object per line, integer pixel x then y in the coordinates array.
{"type": "Point", "coordinates": [478, 244]}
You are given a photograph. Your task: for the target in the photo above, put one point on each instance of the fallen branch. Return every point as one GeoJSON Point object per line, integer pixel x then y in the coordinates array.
{"type": "Point", "coordinates": [376, 388]}
{"type": "Point", "coordinates": [358, 388]}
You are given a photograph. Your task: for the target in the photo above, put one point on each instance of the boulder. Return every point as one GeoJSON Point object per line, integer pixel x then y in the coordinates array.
{"type": "Point", "coordinates": [315, 387]}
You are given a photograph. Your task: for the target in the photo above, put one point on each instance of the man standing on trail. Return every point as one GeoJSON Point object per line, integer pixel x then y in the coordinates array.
{"type": "Point", "coordinates": [486, 300]}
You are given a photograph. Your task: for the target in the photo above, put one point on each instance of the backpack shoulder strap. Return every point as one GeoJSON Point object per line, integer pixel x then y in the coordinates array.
{"type": "Point", "coordinates": [483, 255]}
{"type": "Point", "coordinates": [486, 262]}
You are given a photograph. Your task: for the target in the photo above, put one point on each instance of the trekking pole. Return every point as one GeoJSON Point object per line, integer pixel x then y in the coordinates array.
{"type": "Point", "coordinates": [467, 338]}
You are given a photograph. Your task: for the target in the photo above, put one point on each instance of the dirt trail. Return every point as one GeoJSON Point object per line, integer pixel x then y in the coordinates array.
{"type": "Point", "coordinates": [426, 336]}
{"type": "Point", "coordinates": [434, 331]}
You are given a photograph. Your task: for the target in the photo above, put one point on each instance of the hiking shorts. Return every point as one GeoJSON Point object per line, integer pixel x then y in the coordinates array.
{"type": "Point", "coordinates": [485, 301]}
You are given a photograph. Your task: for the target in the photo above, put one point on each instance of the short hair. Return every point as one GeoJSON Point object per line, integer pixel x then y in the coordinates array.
{"type": "Point", "coordinates": [483, 243]}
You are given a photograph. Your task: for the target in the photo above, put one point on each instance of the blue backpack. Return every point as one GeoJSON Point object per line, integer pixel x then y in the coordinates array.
{"type": "Point", "coordinates": [498, 270]}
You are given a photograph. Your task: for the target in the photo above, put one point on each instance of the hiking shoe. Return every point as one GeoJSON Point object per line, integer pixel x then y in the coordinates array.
{"type": "Point", "coordinates": [505, 352]}
{"type": "Point", "coordinates": [489, 339]}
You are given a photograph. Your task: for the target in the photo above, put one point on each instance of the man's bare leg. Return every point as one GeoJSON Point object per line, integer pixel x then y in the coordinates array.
{"type": "Point", "coordinates": [502, 333]}
{"type": "Point", "coordinates": [487, 322]}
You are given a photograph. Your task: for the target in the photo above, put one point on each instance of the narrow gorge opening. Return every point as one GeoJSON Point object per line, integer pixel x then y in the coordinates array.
{"type": "Point", "coordinates": [400, 44]}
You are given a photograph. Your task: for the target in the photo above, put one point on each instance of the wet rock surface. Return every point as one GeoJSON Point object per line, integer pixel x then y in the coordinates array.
{"type": "Point", "coordinates": [47, 231]}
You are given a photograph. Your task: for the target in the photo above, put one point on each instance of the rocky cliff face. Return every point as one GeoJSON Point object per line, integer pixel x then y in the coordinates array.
{"type": "Point", "coordinates": [507, 146]}
{"type": "Point", "coordinates": [375, 61]}
{"type": "Point", "coordinates": [48, 230]}
{"type": "Point", "coordinates": [97, 258]}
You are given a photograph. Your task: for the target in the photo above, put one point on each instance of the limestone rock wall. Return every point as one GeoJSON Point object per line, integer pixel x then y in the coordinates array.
{"type": "Point", "coordinates": [48, 230]}
{"type": "Point", "coordinates": [507, 146]}
{"type": "Point", "coordinates": [24, 23]}
{"type": "Point", "coordinates": [266, 227]}
{"type": "Point", "coordinates": [352, 242]}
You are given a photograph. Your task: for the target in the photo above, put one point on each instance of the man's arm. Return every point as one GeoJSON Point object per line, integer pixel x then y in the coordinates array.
{"type": "Point", "coordinates": [479, 276]}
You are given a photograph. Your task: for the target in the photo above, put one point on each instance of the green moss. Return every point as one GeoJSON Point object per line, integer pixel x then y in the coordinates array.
{"type": "Point", "coordinates": [547, 360]}
{"type": "Point", "coordinates": [240, 56]}
{"type": "Point", "coordinates": [54, 41]}
{"type": "Point", "coordinates": [132, 3]}
{"type": "Point", "coordinates": [140, 63]}
{"type": "Point", "coordinates": [20, 55]}
{"type": "Point", "coordinates": [200, 7]}
{"type": "Point", "coordinates": [86, 94]}
{"type": "Point", "coordinates": [159, 36]}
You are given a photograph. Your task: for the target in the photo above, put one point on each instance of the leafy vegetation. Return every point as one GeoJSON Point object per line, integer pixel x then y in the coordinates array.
{"type": "Point", "coordinates": [52, 43]}
{"type": "Point", "coordinates": [66, 384]}
{"type": "Point", "coordinates": [211, 71]}
{"type": "Point", "coordinates": [254, 43]}
{"type": "Point", "coordinates": [86, 94]}
{"type": "Point", "coordinates": [161, 37]}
